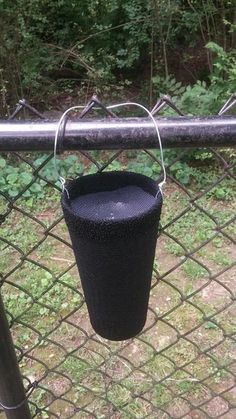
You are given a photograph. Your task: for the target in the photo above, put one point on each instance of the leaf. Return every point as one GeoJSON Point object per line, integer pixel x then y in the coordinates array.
{"type": "Point", "coordinates": [26, 194]}
{"type": "Point", "coordinates": [148, 171]}
{"type": "Point", "coordinates": [35, 188]}
{"type": "Point", "coordinates": [40, 160]}
{"type": "Point", "coordinates": [210, 325]}
{"type": "Point", "coordinates": [2, 163]}
{"type": "Point", "coordinates": [178, 85]}
{"type": "Point", "coordinates": [25, 178]}
{"type": "Point", "coordinates": [212, 46]}
{"type": "Point", "coordinates": [12, 178]}
{"type": "Point", "coordinates": [70, 160]}
{"type": "Point", "coordinates": [13, 192]}
{"type": "Point", "coordinates": [181, 90]}
{"type": "Point", "coordinates": [43, 310]}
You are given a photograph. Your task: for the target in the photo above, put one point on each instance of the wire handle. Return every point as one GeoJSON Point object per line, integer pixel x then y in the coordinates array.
{"type": "Point", "coordinates": [61, 120]}
{"type": "Point", "coordinates": [118, 105]}
{"type": "Point", "coordinates": [161, 184]}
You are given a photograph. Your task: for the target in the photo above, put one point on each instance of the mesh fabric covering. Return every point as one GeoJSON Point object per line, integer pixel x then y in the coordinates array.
{"type": "Point", "coordinates": [114, 253]}
{"type": "Point", "coordinates": [120, 204]}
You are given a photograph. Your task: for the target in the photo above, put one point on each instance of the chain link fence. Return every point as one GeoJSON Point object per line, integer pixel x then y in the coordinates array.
{"type": "Point", "coordinates": [183, 363]}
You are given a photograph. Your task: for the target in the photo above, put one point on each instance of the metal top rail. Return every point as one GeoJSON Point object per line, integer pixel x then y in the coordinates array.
{"type": "Point", "coordinates": [127, 133]}
{"type": "Point", "coordinates": [116, 133]}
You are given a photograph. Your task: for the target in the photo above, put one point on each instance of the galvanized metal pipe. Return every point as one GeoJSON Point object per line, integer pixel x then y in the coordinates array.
{"type": "Point", "coordinates": [12, 394]}
{"type": "Point", "coordinates": [125, 133]}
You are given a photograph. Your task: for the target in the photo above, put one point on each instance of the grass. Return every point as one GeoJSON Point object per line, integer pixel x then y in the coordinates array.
{"type": "Point", "coordinates": [76, 368]}
{"type": "Point", "coordinates": [194, 270]}
{"type": "Point", "coordinates": [221, 257]}
{"type": "Point", "coordinates": [122, 379]}
{"type": "Point", "coordinates": [161, 395]}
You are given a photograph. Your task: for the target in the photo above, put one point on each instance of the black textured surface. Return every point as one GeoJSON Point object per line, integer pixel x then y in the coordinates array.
{"type": "Point", "coordinates": [120, 204]}
{"type": "Point", "coordinates": [114, 254]}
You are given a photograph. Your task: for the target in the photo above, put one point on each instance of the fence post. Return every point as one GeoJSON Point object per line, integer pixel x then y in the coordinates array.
{"type": "Point", "coordinates": [12, 393]}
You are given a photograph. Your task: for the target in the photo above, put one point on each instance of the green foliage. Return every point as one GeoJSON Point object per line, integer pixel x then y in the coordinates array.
{"type": "Point", "coordinates": [201, 98]}
{"type": "Point", "coordinates": [194, 270]}
{"type": "Point", "coordinates": [40, 285]}
{"type": "Point", "coordinates": [210, 325]}
{"type": "Point", "coordinates": [223, 77]}
{"type": "Point", "coordinates": [196, 169]}
{"type": "Point", "coordinates": [48, 46]}
{"type": "Point", "coordinates": [17, 178]}
{"type": "Point", "coordinates": [161, 395]}
{"type": "Point", "coordinates": [169, 84]}
{"type": "Point", "coordinates": [76, 367]}
{"type": "Point", "coordinates": [46, 41]}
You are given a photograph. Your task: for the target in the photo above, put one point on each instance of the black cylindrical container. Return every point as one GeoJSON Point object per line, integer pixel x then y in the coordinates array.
{"type": "Point", "coordinates": [113, 220]}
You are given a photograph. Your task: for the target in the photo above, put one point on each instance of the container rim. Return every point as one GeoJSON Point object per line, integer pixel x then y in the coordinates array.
{"type": "Point", "coordinates": [88, 227]}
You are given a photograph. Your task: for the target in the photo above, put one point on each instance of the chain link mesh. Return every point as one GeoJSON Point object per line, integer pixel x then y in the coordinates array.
{"type": "Point", "coordinates": [183, 363]}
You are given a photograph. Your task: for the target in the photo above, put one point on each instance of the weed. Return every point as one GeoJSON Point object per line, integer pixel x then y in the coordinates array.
{"type": "Point", "coordinates": [161, 395]}
{"type": "Point", "coordinates": [40, 398]}
{"type": "Point", "coordinates": [220, 257]}
{"type": "Point", "coordinates": [210, 325]}
{"type": "Point", "coordinates": [159, 367]}
{"type": "Point", "coordinates": [192, 228]}
{"type": "Point", "coordinates": [17, 178]}
{"type": "Point", "coordinates": [118, 395]}
{"type": "Point", "coordinates": [180, 382]}
{"type": "Point", "coordinates": [136, 409]}
{"type": "Point", "coordinates": [218, 241]}
{"type": "Point", "coordinates": [174, 248]}
{"type": "Point", "coordinates": [194, 270]}
{"type": "Point", "coordinates": [41, 297]}
{"type": "Point", "coordinates": [78, 368]}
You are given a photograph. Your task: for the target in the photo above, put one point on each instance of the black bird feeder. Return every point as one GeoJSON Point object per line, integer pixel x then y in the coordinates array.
{"type": "Point", "coordinates": [113, 220]}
